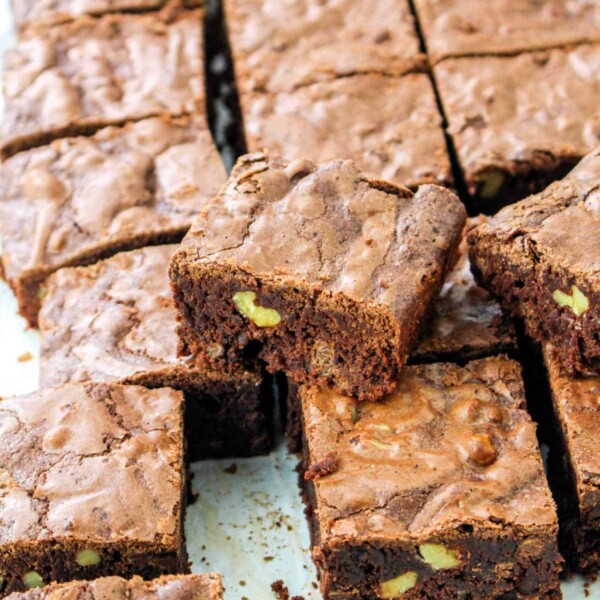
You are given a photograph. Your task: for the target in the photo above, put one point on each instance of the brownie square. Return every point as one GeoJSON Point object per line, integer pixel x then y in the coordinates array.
{"type": "Point", "coordinates": [78, 77]}
{"type": "Point", "coordinates": [435, 492]}
{"type": "Point", "coordinates": [81, 199]}
{"type": "Point", "coordinates": [520, 122]}
{"type": "Point", "coordinates": [171, 587]}
{"type": "Point", "coordinates": [280, 46]}
{"type": "Point", "coordinates": [326, 272]}
{"type": "Point", "coordinates": [115, 321]}
{"type": "Point", "coordinates": [389, 126]}
{"type": "Point", "coordinates": [541, 257]}
{"type": "Point", "coordinates": [475, 27]}
{"type": "Point", "coordinates": [577, 418]}
{"type": "Point", "coordinates": [51, 12]}
{"type": "Point", "coordinates": [466, 321]}
{"type": "Point", "coordinates": [92, 485]}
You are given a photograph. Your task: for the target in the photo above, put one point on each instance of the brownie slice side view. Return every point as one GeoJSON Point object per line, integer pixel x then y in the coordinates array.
{"type": "Point", "coordinates": [325, 271]}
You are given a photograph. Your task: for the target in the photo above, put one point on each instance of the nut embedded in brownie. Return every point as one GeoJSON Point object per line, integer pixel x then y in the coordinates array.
{"type": "Point", "coordinates": [92, 485]}
{"type": "Point", "coordinates": [438, 491]}
{"type": "Point", "coordinates": [541, 258]}
{"type": "Point", "coordinates": [327, 272]}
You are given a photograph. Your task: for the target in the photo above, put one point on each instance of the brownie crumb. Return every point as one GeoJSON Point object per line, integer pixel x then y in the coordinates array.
{"type": "Point", "coordinates": [281, 591]}
{"type": "Point", "coordinates": [231, 469]}
{"type": "Point", "coordinates": [324, 467]}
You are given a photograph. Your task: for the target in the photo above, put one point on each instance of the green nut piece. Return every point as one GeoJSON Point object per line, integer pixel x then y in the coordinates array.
{"type": "Point", "coordinates": [259, 315]}
{"type": "Point", "coordinates": [87, 558]}
{"type": "Point", "coordinates": [577, 301]}
{"type": "Point", "coordinates": [354, 414]}
{"type": "Point", "coordinates": [392, 588]}
{"type": "Point", "coordinates": [32, 579]}
{"type": "Point", "coordinates": [438, 556]}
{"type": "Point", "coordinates": [491, 184]}
{"type": "Point", "coordinates": [379, 444]}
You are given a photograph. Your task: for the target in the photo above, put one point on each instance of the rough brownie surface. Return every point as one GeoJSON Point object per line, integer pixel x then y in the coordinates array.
{"type": "Point", "coordinates": [80, 199]}
{"type": "Point", "coordinates": [424, 498]}
{"type": "Point", "coordinates": [520, 122]}
{"type": "Point", "coordinates": [576, 402]}
{"type": "Point", "coordinates": [342, 266]}
{"type": "Point", "coordinates": [182, 587]}
{"type": "Point", "coordinates": [466, 322]}
{"type": "Point", "coordinates": [471, 27]}
{"type": "Point", "coordinates": [81, 76]}
{"type": "Point", "coordinates": [279, 46]}
{"type": "Point", "coordinates": [541, 257]}
{"type": "Point", "coordinates": [92, 484]}
{"type": "Point", "coordinates": [389, 126]}
{"type": "Point", "coordinates": [115, 321]}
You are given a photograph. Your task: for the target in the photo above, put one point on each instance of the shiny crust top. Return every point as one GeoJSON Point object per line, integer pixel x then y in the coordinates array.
{"type": "Point", "coordinates": [70, 198]}
{"type": "Point", "coordinates": [468, 27]}
{"type": "Point", "coordinates": [76, 451]}
{"type": "Point", "coordinates": [452, 445]}
{"type": "Point", "coordinates": [331, 228]}
{"type": "Point", "coordinates": [169, 587]}
{"type": "Point", "coordinates": [95, 72]}
{"type": "Point", "coordinates": [533, 108]}
{"type": "Point", "coordinates": [389, 126]}
{"type": "Point", "coordinates": [281, 45]}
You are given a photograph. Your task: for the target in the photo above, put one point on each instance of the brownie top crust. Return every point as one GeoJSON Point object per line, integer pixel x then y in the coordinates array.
{"type": "Point", "coordinates": [279, 46]}
{"type": "Point", "coordinates": [330, 228]}
{"type": "Point", "coordinates": [514, 111]}
{"type": "Point", "coordinates": [443, 445]}
{"type": "Point", "coordinates": [467, 27]}
{"type": "Point", "coordinates": [91, 72]}
{"type": "Point", "coordinates": [61, 201]}
{"type": "Point", "coordinates": [94, 462]}
{"type": "Point", "coordinates": [170, 587]}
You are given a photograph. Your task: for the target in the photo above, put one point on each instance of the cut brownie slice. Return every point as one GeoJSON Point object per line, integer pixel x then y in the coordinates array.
{"type": "Point", "coordinates": [476, 27]}
{"type": "Point", "coordinates": [466, 322]}
{"type": "Point", "coordinates": [75, 78]}
{"type": "Point", "coordinates": [541, 257]}
{"type": "Point", "coordinates": [576, 403]}
{"type": "Point", "coordinates": [171, 587]}
{"type": "Point", "coordinates": [520, 122]}
{"type": "Point", "coordinates": [279, 46]}
{"type": "Point", "coordinates": [390, 126]}
{"type": "Point", "coordinates": [115, 321]}
{"type": "Point", "coordinates": [81, 199]}
{"type": "Point", "coordinates": [92, 484]}
{"type": "Point", "coordinates": [438, 491]}
{"type": "Point", "coordinates": [326, 271]}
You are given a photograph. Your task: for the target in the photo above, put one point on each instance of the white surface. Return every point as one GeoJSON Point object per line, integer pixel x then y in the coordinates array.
{"type": "Point", "coordinates": [250, 525]}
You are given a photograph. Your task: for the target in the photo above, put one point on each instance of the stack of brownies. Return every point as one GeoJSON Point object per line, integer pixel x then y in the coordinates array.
{"type": "Point", "coordinates": [167, 296]}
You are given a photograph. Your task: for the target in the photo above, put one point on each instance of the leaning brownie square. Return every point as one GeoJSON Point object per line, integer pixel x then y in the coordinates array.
{"type": "Point", "coordinates": [438, 491]}
{"type": "Point", "coordinates": [92, 484]}
{"type": "Point", "coordinates": [541, 257]}
{"type": "Point", "coordinates": [323, 271]}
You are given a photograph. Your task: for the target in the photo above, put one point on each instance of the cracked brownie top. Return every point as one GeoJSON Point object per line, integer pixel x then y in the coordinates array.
{"type": "Point", "coordinates": [92, 462]}
{"type": "Point", "coordinates": [438, 452]}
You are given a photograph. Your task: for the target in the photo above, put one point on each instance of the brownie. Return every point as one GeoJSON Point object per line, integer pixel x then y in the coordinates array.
{"type": "Point", "coordinates": [475, 27]}
{"type": "Point", "coordinates": [438, 491]}
{"type": "Point", "coordinates": [92, 484]}
{"type": "Point", "coordinates": [323, 271]}
{"type": "Point", "coordinates": [168, 587]}
{"type": "Point", "coordinates": [520, 122]}
{"type": "Point", "coordinates": [280, 46]}
{"type": "Point", "coordinates": [390, 126]}
{"type": "Point", "coordinates": [124, 329]}
{"type": "Point", "coordinates": [466, 321]}
{"type": "Point", "coordinates": [78, 200]}
{"type": "Point", "coordinates": [577, 420]}
{"type": "Point", "coordinates": [78, 77]}
{"type": "Point", "coordinates": [50, 12]}
{"type": "Point", "coordinates": [541, 257]}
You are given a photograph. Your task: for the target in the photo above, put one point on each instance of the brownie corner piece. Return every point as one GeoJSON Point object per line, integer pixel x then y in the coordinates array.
{"type": "Point", "coordinates": [541, 258]}
{"type": "Point", "coordinates": [324, 271]}
{"type": "Point", "coordinates": [93, 484]}
{"type": "Point", "coordinates": [434, 492]}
